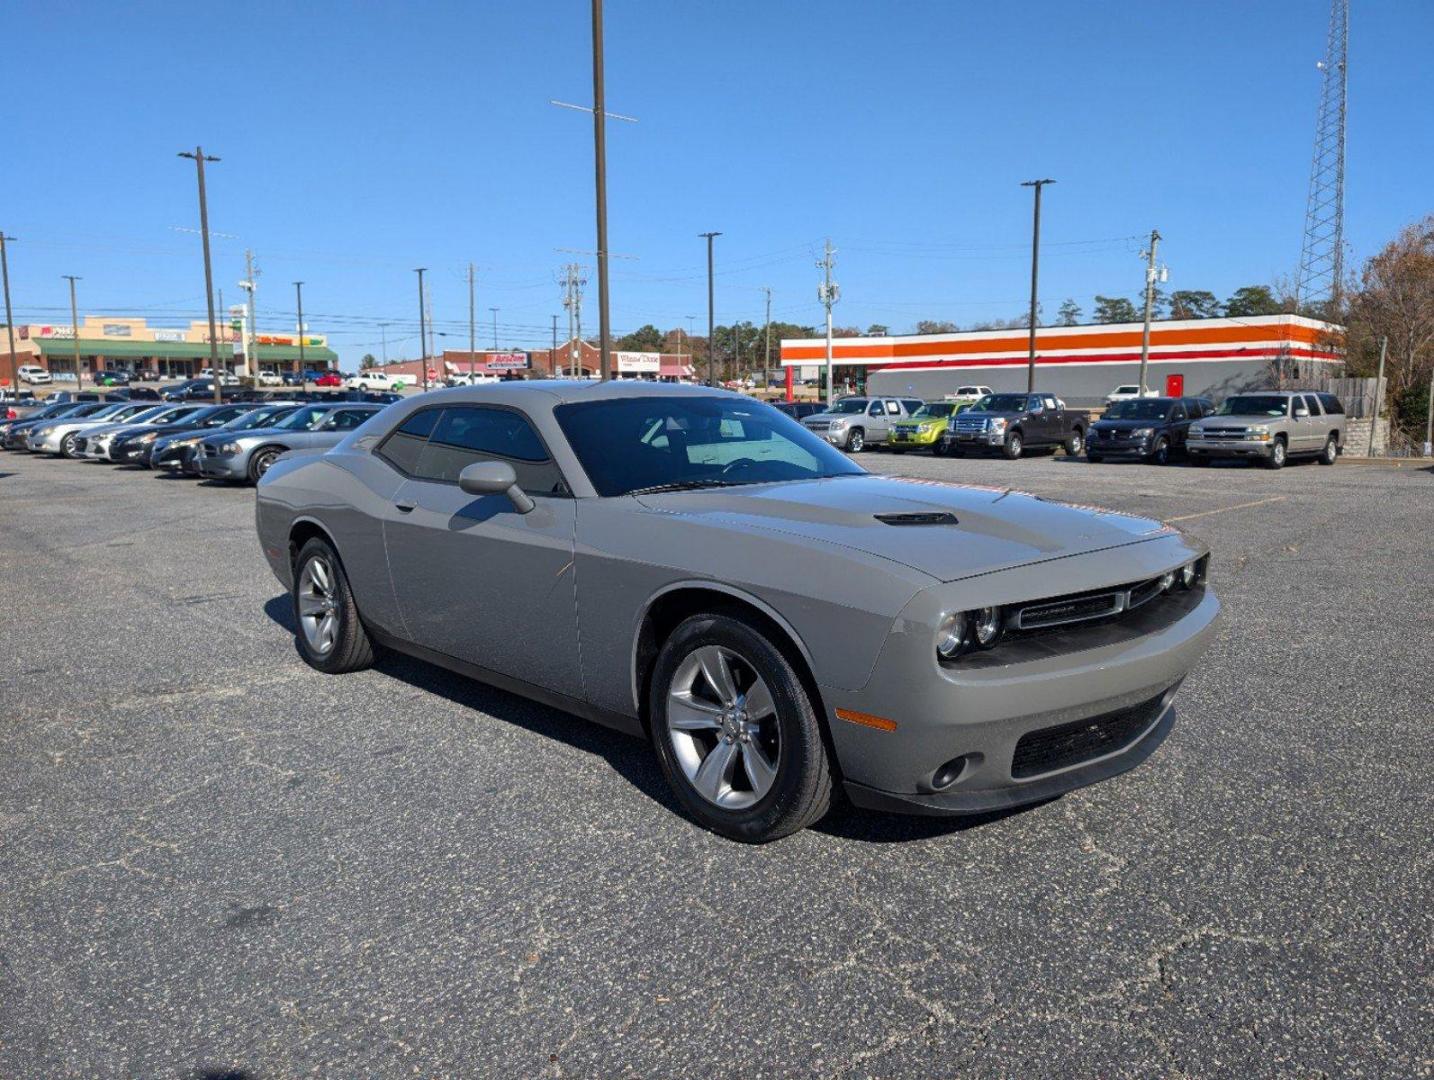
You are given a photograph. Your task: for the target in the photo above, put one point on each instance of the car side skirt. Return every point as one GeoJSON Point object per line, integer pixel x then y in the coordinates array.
{"type": "Point", "coordinates": [628, 725]}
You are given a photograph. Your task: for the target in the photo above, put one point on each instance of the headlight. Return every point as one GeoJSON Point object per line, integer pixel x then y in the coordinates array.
{"type": "Point", "coordinates": [229, 448]}
{"type": "Point", "coordinates": [1188, 573]}
{"type": "Point", "coordinates": [952, 634]}
{"type": "Point", "coordinates": [996, 423]}
{"type": "Point", "coordinates": [148, 436]}
{"type": "Point", "coordinates": [1142, 433]}
{"type": "Point", "coordinates": [184, 442]}
{"type": "Point", "coordinates": [1260, 433]}
{"type": "Point", "coordinates": [1167, 581]}
{"type": "Point", "coordinates": [988, 626]}
{"type": "Point", "coordinates": [1197, 431]}
{"type": "Point", "coordinates": [41, 432]}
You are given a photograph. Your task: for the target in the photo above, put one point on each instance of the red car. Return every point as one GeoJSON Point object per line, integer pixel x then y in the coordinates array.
{"type": "Point", "coordinates": [329, 378]}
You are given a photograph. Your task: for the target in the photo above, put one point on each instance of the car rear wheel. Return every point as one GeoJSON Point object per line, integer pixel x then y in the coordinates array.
{"type": "Point", "coordinates": [1276, 460]}
{"type": "Point", "coordinates": [736, 732]}
{"type": "Point", "coordinates": [331, 635]}
{"type": "Point", "coordinates": [1013, 446]}
{"type": "Point", "coordinates": [1160, 452]}
{"type": "Point", "coordinates": [856, 441]}
{"type": "Point", "coordinates": [260, 462]}
{"type": "Point", "coordinates": [1330, 454]}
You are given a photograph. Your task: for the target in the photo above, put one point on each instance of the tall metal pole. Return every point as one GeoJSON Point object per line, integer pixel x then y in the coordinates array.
{"type": "Point", "coordinates": [711, 318]}
{"type": "Point", "coordinates": [75, 327]}
{"type": "Point", "coordinates": [495, 328]}
{"type": "Point", "coordinates": [1149, 307]}
{"type": "Point", "coordinates": [472, 326]}
{"type": "Point", "coordinates": [553, 356]}
{"type": "Point", "coordinates": [600, 163]}
{"type": "Point", "coordinates": [568, 304]}
{"type": "Point", "coordinates": [828, 292]}
{"type": "Point", "coordinates": [299, 297]}
{"type": "Point", "coordinates": [251, 343]}
{"type": "Point", "coordinates": [9, 319]}
{"type": "Point", "coordinates": [767, 359]}
{"type": "Point", "coordinates": [199, 158]}
{"type": "Point", "coordinates": [1429, 420]}
{"type": "Point", "coordinates": [1035, 278]}
{"type": "Point", "coordinates": [422, 331]}
{"type": "Point", "coordinates": [1378, 393]}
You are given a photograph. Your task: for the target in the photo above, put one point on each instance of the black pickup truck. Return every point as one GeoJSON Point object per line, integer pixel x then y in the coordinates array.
{"type": "Point", "coordinates": [1013, 423]}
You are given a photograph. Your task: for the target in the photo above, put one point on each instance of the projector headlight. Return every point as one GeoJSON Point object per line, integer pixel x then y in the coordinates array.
{"type": "Point", "coordinates": [988, 626]}
{"type": "Point", "coordinates": [229, 448]}
{"type": "Point", "coordinates": [996, 423]}
{"type": "Point", "coordinates": [952, 635]}
{"type": "Point", "coordinates": [1188, 574]}
{"type": "Point", "coordinates": [1142, 433]}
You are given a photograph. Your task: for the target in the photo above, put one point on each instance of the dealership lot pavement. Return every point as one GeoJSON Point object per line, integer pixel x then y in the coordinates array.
{"type": "Point", "coordinates": [215, 859]}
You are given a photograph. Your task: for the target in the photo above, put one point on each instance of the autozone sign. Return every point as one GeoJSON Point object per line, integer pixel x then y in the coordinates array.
{"type": "Point", "coordinates": [505, 361]}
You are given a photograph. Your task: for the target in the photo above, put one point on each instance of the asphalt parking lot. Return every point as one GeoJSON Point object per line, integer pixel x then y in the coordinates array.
{"type": "Point", "coordinates": [214, 860]}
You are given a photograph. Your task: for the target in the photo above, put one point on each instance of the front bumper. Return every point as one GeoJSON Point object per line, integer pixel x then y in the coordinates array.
{"type": "Point", "coordinates": [49, 444]}
{"type": "Point", "coordinates": [1229, 447]}
{"type": "Point", "coordinates": [975, 440]}
{"type": "Point", "coordinates": [1119, 447]}
{"type": "Point", "coordinates": [218, 466]}
{"type": "Point", "coordinates": [129, 452]}
{"type": "Point", "coordinates": [1114, 684]}
{"type": "Point", "coordinates": [171, 457]}
{"type": "Point", "coordinates": [913, 440]}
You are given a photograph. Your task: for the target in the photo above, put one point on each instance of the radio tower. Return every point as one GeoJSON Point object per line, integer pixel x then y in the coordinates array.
{"type": "Point", "coordinates": [1322, 253]}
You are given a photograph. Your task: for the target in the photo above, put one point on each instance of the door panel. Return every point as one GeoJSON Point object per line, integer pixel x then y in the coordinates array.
{"type": "Point", "coordinates": [479, 581]}
{"type": "Point", "coordinates": [1175, 386]}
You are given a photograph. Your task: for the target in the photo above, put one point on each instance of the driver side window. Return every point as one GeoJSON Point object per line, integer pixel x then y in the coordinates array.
{"type": "Point", "coordinates": [876, 408]}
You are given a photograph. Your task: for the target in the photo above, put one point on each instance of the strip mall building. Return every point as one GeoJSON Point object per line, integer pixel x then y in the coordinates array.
{"type": "Point", "coordinates": [1197, 358]}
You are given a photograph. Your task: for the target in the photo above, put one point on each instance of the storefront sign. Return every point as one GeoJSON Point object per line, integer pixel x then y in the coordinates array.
{"type": "Point", "coordinates": [505, 361]}
{"type": "Point", "coordinates": [57, 331]}
{"type": "Point", "coordinates": [112, 329]}
{"type": "Point", "coordinates": [639, 363]}
{"type": "Point", "coordinates": [169, 335]}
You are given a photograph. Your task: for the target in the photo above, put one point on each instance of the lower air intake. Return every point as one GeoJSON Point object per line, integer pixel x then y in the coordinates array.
{"type": "Point", "coordinates": [1048, 749]}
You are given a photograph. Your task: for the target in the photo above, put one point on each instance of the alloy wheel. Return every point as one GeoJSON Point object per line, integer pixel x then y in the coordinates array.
{"type": "Point", "coordinates": [722, 726]}
{"type": "Point", "coordinates": [318, 606]}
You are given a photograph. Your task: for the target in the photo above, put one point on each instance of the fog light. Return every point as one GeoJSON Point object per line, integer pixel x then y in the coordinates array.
{"type": "Point", "coordinates": [988, 626]}
{"type": "Point", "coordinates": [952, 635]}
{"type": "Point", "coordinates": [1188, 574]}
{"type": "Point", "coordinates": [949, 773]}
{"type": "Point", "coordinates": [1167, 581]}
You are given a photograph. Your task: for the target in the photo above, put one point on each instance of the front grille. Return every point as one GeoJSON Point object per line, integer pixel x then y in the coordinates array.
{"type": "Point", "coordinates": [1048, 749]}
{"type": "Point", "coordinates": [973, 423]}
{"type": "Point", "coordinates": [1224, 433]}
{"type": "Point", "coordinates": [818, 425]}
{"type": "Point", "coordinates": [1076, 609]}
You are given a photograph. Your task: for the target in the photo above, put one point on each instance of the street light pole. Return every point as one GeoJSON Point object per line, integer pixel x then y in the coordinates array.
{"type": "Point", "coordinates": [1149, 306]}
{"type": "Point", "coordinates": [711, 318]}
{"type": "Point", "coordinates": [299, 298]}
{"type": "Point", "coordinates": [74, 327]}
{"type": "Point", "coordinates": [767, 358]}
{"type": "Point", "coordinates": [1035, 277]}
{"type": "Point", "coordinates": [472, 326]}
{"type": "Point", "coordinates": [495, 328]}
{"type": "Point", "coordinates": [9, 319]}
{"type": "Point", "coordinates": [199, 158]}
{"type": "Point", "coordinates": [422, 331]}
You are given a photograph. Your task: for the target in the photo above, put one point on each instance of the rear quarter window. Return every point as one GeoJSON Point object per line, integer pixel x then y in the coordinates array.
{"type": "Point", "coordinates": [1331, 404]}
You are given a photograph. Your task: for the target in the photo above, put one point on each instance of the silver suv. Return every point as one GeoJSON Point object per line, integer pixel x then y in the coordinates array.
{"type": "Point", "coordinates": [1271, 426]}
{"type": "Point", "coordinates": [855, 423]}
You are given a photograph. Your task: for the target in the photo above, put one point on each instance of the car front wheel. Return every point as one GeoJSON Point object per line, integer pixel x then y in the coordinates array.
{"type": "Point", "coordinates": [856, 441]}
{"type": "Point", "coordinates": [1013, 446]}
{"type": "Point", "coordinates": [260, 462]}
{"type": "Point", "coordinates": [1276, 460]}
{"type": "Point", "coordinates": [331, 635]}
{"type": "Point", "coordinates": [1160, 453]}
{"type": "Point", "coordinates": [1075, 444]}
{"type": "Point", "coordinates": [67, 446]}
{"type": "Point", "coordinates": [736, 732]}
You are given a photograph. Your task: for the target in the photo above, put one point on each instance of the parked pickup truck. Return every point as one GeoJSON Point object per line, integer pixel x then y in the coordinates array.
{"type": "Point", "coordinates": [1012, 423]}
{"type": "Point", "coordinates": [855, 423]}
{"type": "Point", "coordinates": [1270, 426]}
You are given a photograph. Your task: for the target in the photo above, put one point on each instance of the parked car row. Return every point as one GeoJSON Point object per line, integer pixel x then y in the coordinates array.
{"type": "Point", "coordinates": [233, 441]}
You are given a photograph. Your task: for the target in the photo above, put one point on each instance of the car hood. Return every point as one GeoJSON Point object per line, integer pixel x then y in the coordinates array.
{"type": "Point", "coordinates": [832, 416]}
{"type": "Point", "coordinates": [995, 528]}
{"type": "Point", "coordinates": [1241, 420]}
{"type": "Point", "coordinates": [247, 433]}
{"type": "Point", "coordinates": [1127, 425]}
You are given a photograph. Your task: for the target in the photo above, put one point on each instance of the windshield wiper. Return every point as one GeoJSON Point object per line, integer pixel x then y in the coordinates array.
{"type": "Point", "coordinates": [685, 485]}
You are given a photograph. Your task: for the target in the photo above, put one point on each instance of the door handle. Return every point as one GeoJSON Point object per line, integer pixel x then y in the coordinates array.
{"type": "Point", "coordinates": [405, 506]}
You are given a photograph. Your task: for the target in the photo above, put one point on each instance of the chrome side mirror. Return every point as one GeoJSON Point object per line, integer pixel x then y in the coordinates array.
{"type": "Point", "coordinates": [1301, 412]}
{"type": "Point", "coordinates": [495, 478]}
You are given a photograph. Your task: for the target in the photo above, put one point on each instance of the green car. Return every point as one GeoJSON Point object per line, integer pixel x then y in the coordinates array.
{"type": "Point", "coordinates": [925, 428]}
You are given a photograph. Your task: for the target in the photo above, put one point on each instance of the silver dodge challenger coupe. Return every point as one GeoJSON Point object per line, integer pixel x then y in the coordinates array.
{"type": "Point", "coordinates": [695, 567]}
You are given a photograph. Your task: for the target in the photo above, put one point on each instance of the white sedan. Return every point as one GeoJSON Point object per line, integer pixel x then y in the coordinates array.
{"type": "Point", "coordinates": [1128, 392]}
{"type": "Point", "coordinates": [372, 379]}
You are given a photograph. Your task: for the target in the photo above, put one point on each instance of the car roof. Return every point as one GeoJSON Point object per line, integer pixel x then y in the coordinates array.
{"type": "Point", "coordinates": [552, 392]}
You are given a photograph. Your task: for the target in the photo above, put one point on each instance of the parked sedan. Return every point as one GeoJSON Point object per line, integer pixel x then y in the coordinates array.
{"type": "Point", "coordinates": [1152, 429]}
{"type": "Point", "coordinates": [137, 447]}
{"type": "Point", "coordinates": [58, 436]}
{"type": "Point", "coordinates": [111, 378]}
{"type": "Point", "coordinates": [248, 455]}
{"type": "Point", "coordinates": [97, 444]}
{"type": "Point", "coordinates": [774, 619]}
{"type": "Point", "coordinates": [17, 428]}
{"type": "Point", "coordinates": [179, 449]}
{"type": "Point", "coordinates": [329, 378]}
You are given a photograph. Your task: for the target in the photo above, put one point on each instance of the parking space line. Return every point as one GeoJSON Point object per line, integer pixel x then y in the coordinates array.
{"type": "Point", "coordinates": [1224, 509]}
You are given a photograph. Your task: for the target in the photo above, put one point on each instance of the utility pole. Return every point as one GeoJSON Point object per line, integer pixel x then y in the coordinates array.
{"type": "Point", "coordinates": [767, 359]}
{"type": "Point", "coordinates": [9, 318]}
{"type": "Point", "coordinates": [553, 356]}
{"type": "Point", "coordinates": [422, 329]}
{"type": "Point", "coordinates": [1429, 421]}
{"type": "Point", "coordinates": [472, 326]}
{"type": "Point", "coordinates": [1149, 307]}
{"type": "Point", "coordinates": [199, 158]}
{"type": "Point", "coordinates": [495, 328]}
{"type": "Point", "coordinates": [1378, 393]}
{"type": "Point", "coordinates": [600, 163]}
{"type": "Point", "coordinates": [383, 340]}
{"type": "Point", "coordinates": [1035, 277]}
{"type": "Point", "coordinates": [75, 327]}
{"type": "Point", "coordinates": [299, 297]}
{"type": "Point", "coordinates": [828, 292]}
{"type": "Point", "coordinates": [251, 345]}
{"type": "Point", "coordinates": [711, 318]}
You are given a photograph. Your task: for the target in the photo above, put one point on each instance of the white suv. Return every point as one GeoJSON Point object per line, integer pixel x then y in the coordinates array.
{"type": "Point", "coordinates": [33, 374]}
{"type": "Point", "coordinates": [969, 393]}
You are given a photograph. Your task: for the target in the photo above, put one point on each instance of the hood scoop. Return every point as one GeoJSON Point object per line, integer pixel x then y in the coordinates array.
{"type": "Point", "coordinates": [917, 518]}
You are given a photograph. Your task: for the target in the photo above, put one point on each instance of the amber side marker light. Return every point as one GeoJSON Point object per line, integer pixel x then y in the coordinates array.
{"type": "Point", "coordinates": [881, 723]}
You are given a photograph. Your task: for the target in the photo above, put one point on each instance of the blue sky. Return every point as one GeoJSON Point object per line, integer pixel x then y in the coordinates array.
{"type": "Point", "coordinates": [360, 140]}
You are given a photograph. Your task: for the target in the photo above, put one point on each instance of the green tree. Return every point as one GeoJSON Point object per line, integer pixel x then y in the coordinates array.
{"type": "Point", "coordinates": [1252, 300]}
{"type": "Point", "coordinates": [878, 330]}
{"type": "Point", "coordinates": [367, 360]}
{"type": "Point", "coordinates": [1069, 313]}
{"type": "Point", "coordinates": [1194, 304]}
{"type": "Point", "coordinates": [935, 326]}
{"type": "Point", "coordinates": [644, 339]}
{"type": "Point", "coordinates": [1115, 309]}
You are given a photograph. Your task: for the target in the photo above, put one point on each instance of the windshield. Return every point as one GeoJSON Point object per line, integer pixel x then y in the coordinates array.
{"type": "Point", "coordinates": [257, 418]}
{"type": "Point", "coordinates": [1148, 409]}
{"type": "Point", "coordinates": [304, 418]}
{"type": "Point", "coordinates": [933, 411]}
{"type": "Point", "coordinates": [110, 410]}
{"type": "Point", "coordinates": [639, 444]}
{"type": "Point", "coordinates": [1001, 403]}
{"type": "Point", "coordinates": [849, 405]}
{"type": "Point", "coordinates": [148, 414]}
{"type": "Point", "coordinates": [1254, 405]}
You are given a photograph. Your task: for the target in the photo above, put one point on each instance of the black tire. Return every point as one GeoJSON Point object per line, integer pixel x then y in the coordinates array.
{"type": "Point", "coordinates": [855, 441]}
{"type": "Point", "coordinates": [1160, 452]}
{"type": "Point", "coordinates": [1198, 460]}
{"type": "Point", "coordinates": [801, 792]}
{"type": "Point", "coordinates": [938, 449]}
{"type": "Point", "coordinates": [67, 445]}
{"type": "Point", "coordinates": [1094, 459]}
{"type": "Point", "coordinates": [1279, 454]}
{"type": "Point", "coordinates": [1330, 454]}
{"type": "Point", "coordinates": [351, 649]}
{"type": "Point", "coordinates": [1075, 443]}
{"type": "Point", "coordinates": [260, 461]}
{"type": "Point", "coordinates": [1013, 446]}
